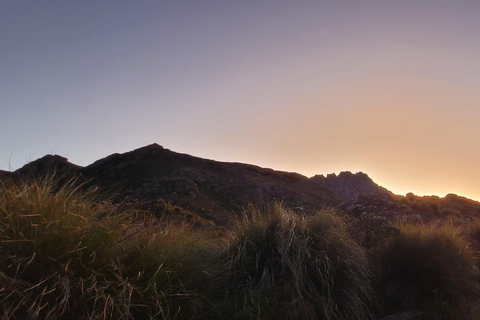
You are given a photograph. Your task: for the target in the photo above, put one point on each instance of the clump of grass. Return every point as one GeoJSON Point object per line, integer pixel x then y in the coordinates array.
{"type": "Point", "coordinates": [180, 268]}
{"type": "Point", "coordinates": [308, 268]}
{"type": "Point", "coordinates": [431, 269]}
{"type": "Point", "coordinates": [471, 231]}
{"type": "Point", "coordinates": [64, 256]}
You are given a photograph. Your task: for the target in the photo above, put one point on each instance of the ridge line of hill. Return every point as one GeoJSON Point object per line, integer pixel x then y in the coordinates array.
{"type": "Point", "coordinates": [150, 176]}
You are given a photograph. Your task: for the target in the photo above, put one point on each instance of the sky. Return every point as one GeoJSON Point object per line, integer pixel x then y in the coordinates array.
{"type": "Point", "coordinates": [389, 87]}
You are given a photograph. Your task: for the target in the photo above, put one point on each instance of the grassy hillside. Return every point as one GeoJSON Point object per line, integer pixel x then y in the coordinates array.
{"type": "Point", "coordinates": [64, 255]}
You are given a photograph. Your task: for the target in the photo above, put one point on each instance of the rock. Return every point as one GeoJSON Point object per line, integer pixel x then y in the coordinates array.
{"type": "Point", "coordinates": [348, 185]}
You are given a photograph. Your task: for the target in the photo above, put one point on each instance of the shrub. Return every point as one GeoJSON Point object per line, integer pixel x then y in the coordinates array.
{"type": "Point", "coordinates": [308, 267]}
{"type": "Point", "coordinates": [428, 268]}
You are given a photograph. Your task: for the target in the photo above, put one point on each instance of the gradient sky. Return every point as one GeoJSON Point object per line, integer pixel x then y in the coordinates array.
{"type": "Point", "coordinates": [389, 88]}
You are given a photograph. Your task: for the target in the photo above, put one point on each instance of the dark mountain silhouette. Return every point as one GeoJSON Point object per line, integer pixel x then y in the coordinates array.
{"type": "Point", "coordinates": [211, 189]}
{"type": "Point", "coordinates": [152, 176]}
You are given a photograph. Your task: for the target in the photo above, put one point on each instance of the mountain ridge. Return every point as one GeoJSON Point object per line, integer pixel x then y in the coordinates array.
{"type": "Point", "coordinates": [217, 191]}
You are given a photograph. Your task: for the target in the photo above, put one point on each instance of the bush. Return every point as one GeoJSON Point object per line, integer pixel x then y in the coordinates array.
{"type": "Point", "coordinates": [307, 267]}
{"type": "Point", "coordinates": [428, 268]}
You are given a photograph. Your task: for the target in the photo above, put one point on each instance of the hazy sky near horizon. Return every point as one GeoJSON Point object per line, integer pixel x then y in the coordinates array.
{"type": "Point", "coordinates": [389, 88]}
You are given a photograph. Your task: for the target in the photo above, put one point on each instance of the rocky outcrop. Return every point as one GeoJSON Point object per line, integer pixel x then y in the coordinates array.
{"type": "Point", "coordinates": [380, 204]}
{"type": "Point", "coordinates": [347, 185]}
{"type": "Point", "coordinates": [451, 208]}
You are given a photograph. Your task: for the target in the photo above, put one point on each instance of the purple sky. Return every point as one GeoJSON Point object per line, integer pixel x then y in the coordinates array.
{"type": "Point", "coordinates": [390, 88]}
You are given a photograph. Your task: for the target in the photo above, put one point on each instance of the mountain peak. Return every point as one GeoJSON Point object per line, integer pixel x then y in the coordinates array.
{"type": "Point", "coordinates": [47, 164]}
{"type": "Point", "coordinates": [153, 149]}
{"type": "Point", "coordinates": [149, 151]}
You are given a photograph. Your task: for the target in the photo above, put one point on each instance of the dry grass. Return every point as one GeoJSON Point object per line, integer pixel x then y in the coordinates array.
{"type": "Point", "coordinates": [63, 256]}
{"type": "Point", "coordinates": [431, 268]}
{"type": "Point", "coordinates": [308, 268]}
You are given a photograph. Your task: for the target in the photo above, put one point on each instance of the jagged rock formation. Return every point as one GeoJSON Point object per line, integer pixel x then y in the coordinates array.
{"type": "Point", "coordinates": [347, 185]}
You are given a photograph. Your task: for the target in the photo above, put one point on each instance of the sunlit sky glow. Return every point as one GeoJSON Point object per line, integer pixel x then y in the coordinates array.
{"type": "Point", "coordinates": [389, 88]}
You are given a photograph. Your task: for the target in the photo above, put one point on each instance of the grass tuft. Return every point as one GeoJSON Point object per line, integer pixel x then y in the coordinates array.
{"type": "Point", "coordinates": [64, 256]}
{"type": "Point", "coordinates": [308, 267]}
{"type": "Point", "coordinates": [431, 269]}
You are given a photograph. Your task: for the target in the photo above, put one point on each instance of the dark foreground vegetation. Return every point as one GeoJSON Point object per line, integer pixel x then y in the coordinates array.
{"type": "Point", "coordinates": [64, 255]}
